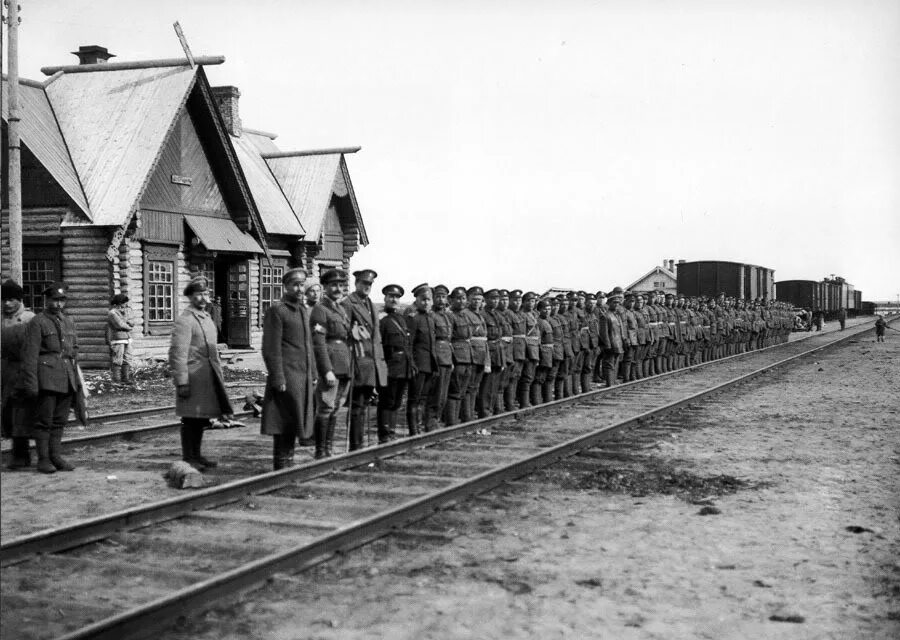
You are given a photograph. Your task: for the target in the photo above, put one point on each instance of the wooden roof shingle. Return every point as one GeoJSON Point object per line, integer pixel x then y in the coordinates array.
{"type": "Point", "coordinates": [40, 132]}
{"type": "Point", "coordinates": [115, 124]}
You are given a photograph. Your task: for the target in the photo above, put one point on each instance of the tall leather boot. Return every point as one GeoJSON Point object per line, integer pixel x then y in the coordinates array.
{"type": "Point", "coordinates": [320, 432]}
{"type": "Point", "coordinates": [548, 394]}
{"type": "Point", "coordinates": [585, 382]}
{"type": "Point", "coordinates": [329, 436]}
{"type": "Point", "coordinates": [524, 392]}
{"type": "Point", "coordinates": [383, 422]}
{"type": "Point", "coordinates": [576, 384]}
{"type": "Point", "coordinates": [357, 428]}
{"type": "Point", "coordinates": [559, 386]}
{"type": "Point", "coordinates": [412, 418]}
{"type": "Point", "coordinates": [610, 376]}
{"type": "Point", "coordinates": [451, 413]}
{"type": "Point", "coordinates": [431, 419]}
{"type": "Point", "coordinates": [55, 451]}
{"type": "Point", "coordinates": [197, 431]}
{"type": "Point", "coordinates": [115, 373]}
{"type": "Point", "coordinates": [536, 395]}
{"type": "Point", "coordinates": [127, 374]}
{"type": "Point", "coordinates": [42, 443]}
{"type": "Point", "coordinates": [288, 450]}
{"type": "Point", "coordinates": [509, 397]}
{"type": "Point", "coordinates": [21, 454]}
{"type": "Point", "coordinates": [277, 453]}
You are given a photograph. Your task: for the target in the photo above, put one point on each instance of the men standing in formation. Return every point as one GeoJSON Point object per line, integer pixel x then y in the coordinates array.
{"type": "Point", "coordinates": [16, 417]}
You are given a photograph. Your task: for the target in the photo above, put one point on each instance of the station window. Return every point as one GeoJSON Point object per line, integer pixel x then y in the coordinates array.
{"type": "Point", "coordinates": [160, 279]}
{"type": "Point", "coordinates": [37, 275]}
{"type": "Point", "coordinates": [270, 288]}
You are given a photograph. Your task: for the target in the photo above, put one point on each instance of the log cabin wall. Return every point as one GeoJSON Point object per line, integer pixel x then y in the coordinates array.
{"type": "Point", "coordinates": [89, 276]}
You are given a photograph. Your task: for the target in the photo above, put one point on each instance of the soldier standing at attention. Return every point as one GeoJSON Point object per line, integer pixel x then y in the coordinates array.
{"type": "Point", "coordinates": [559, 352]}
{"type": "Point", "coordinates": [649, 311]}
{"type": "Point", "coordinates": [611, 340]}
{"type": "Point", "coordinates": [506, 348]}
{"type": "Point", "coordinates": [197, 373]}
{"type": "Point", "coordinates": [460, 342]}
{"type": "Point", "coordinates": [369, 370]}
{"type": "Point", "coordinates": [443, 355]}
{"type": "Point", "coordinates": [50, 374]}
{"type": "Point", "coordinates": [288, 407]}
{"type": "Point", "coordinates": [118, 337]}
{"type": "Point", "coordinates": [599, 310]}
{"type": "Point", "coordinates": [580, 339]}
{"type": "Point", "coordinates": [481, 357]}
{"type": "Point", "coordinates": [330, 337]}
{"type": "Point", "coordinates": [489, 388]}
{"type": "Point", "coordinates": [643, 337]}
{"type": "Point", "coordinates": [630, 336]}
{"type": "Point", "coordinates": [563, 388]}
{"type": "Point", "coordinates": [420, 325]}
{"type": "Point", "coordinates": [541, 389]}
{"type": "Point", "coordinates": [684, 331]}
{"type": "Point", "coordinates": [515, 319]}
{"type": "Point", "coordinates": [592, 333]}
{"type": "Point", "coordinates": [397, 347]}
{"type": "Point", "coordinates": [532, 349]}
{"type": "Point", "coordinates": [16, 416]}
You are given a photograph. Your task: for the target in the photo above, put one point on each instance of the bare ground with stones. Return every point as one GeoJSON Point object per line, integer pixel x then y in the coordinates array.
{"type": "Point", "coordinates": [771, 515]}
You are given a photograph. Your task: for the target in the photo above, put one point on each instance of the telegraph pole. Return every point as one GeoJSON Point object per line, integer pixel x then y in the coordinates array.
{"type": "Point", "coordinates": [15, 159]}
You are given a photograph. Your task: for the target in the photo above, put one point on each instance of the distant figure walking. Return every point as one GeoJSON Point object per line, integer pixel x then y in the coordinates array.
{"type": "Point", "coordinates": [880, 324]}
{"type": "Point", "coordinates": [820, 317]}
{"type": "Point", "coordinates": [842, 318]}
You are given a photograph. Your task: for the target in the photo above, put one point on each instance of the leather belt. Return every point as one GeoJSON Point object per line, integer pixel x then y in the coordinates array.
{"type": "Point", "coordinates": [478, 339]}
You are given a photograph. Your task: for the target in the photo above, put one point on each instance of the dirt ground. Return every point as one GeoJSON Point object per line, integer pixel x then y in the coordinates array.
{"type": "Point", "coordinates": [771, 515]}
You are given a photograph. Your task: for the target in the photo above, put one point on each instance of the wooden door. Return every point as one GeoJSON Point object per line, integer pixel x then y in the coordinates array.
{"type": "Point", "coordinates": [237, 316]}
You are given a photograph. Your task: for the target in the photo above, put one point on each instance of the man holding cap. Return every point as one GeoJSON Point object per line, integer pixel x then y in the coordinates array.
{"type": "Point", "coordinates": [50, 374]}
{"type": "Point", "coordinates": [369, 370]}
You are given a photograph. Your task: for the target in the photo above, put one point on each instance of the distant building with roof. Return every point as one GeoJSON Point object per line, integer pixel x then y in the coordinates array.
{"type": "Point", "coordinates": [138, 176]}
{"type": "Point", "coordinates": [659, 277]}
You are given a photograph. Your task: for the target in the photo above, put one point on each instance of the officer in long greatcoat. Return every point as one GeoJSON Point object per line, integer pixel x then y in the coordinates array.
{"type": "Point", "coordinates": [490, 382]}
{"type": "Point", "coordinates": [420, 324]}
{"type": "Point", "coordinates": [481, 357]}
{"type": "Point", "coordinates": [369, 369]}
{"type": "Point", "coordinates": [532, 342]}
{"type": "Point", "coordinates": [16, 413]}
{"type": "Point", "coordinates": [289, 406]}
{"type": "Point", "coordinates": [50, 374]}
{"type": "Point", "coordinates": [197, 373]}
{"type": "Point", "coordinates": [611, 340]}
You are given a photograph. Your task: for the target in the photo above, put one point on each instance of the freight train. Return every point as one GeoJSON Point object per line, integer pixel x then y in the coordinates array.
{"type": "Point", "coordinates": [828, 296]}
{"type": "Point", "coordinates": [710, 278]}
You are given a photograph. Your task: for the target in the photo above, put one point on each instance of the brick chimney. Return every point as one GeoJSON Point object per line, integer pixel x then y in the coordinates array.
{"type": "Point", "coordinates": [672, 266]}
{"type": "Point", "coordinates": [227, 101]}
{"type": "Point", "coordinates": [92, 54]}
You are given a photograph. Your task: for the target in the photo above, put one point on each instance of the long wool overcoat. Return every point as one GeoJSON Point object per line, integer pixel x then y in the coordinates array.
{"type": "Point", "coordinates": [16, 415]}
{"type": "Point", "coordinates": [194, 360]}
{"type": "Point", "coordinates": [288, 353]}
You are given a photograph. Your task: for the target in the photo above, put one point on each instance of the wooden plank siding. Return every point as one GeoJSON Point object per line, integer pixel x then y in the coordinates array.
{"type": "Point", "coordinates": [183, 156]}
{"type": "Point", "coordinates": [89, 276]}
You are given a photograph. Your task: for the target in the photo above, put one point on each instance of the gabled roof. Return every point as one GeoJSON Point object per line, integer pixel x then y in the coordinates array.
{"type": "Point", "coordinates": [115, 124]}
{"type": "Point", "coordinates": [657, 269]}
{"type": "Point", "coordinates": [39, 131]}
{"type": "Point", "coordinates": [309, 181]}
{"type": "Point", "coordinates": [274, 209]}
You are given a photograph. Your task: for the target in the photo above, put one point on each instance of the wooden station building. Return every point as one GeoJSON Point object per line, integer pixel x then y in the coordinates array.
{"type": "Point", "coordinates": [138, 176]}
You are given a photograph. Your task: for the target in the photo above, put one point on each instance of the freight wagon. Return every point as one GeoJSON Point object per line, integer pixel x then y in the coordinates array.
{"type": "Point", "coordinates": [827, 296]}
{"type": "Point", "coordinates": [710, 278]}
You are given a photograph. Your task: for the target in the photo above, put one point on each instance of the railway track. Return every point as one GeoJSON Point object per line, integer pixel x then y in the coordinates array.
{"type": "Point", "coordinates": [133, 572]}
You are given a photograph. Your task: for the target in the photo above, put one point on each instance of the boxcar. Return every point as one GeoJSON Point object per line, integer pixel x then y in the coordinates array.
{"type": "Point", "coordinates": [804, 294]}
{"type": "Point", "coordinates": [710, 278]}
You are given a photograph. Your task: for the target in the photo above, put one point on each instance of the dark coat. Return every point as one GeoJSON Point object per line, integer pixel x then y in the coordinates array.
{"type": "Point", "coordinates": [461, 334]}
{"type": "Point", "coordinates": [16, 416]}
{"type": "Point", "coordinates": [395, 342]}
{"type": "Point", "coordinates": [421, 330]}
{"type": "Point", "coordinates": [288, 353]}
{"type": "Point", "coordinates": [371, 370]}
{"type": "Point", "coordinates": [610, 332]}
{"type": "Point", "coordinates": [331, 338]}
{"type": "Point", "coordinates": [194, 360]}
{"type": "Point", "coordinates": [49, 355]}
{"type": "Point", "coordinates": [443, 331]}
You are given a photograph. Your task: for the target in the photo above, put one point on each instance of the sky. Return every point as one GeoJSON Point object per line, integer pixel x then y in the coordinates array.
{"type": "Point", "coordinates": [567, 143]}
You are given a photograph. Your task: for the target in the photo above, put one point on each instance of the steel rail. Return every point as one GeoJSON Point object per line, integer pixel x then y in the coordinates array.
{"type": "Point", "coordinates": [149, 618]}
{"type": "Point", "coordinates": [93, 529]}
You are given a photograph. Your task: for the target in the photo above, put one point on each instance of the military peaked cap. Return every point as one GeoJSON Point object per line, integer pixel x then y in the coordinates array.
{"type": "Point", "coordinates": [290, 273]}
{"type": "Point", "coordinates": [531, 295]}
{"type": "Point", "coordinates": [366, 275]}
{"type": "Point", "coordinates": [492, 293]}
{"type": "Point", "coordinates": [590, 296]}
{"type": "Point", "coordinates": [393, 290]}
{"type": "Point", "coordinates": [617, 291]}
{"type": "Point", "coordinates": [503, 293]}
{"type": "Point", "coordinates": [474, 291]}
{"type": "Point", "coordinates": [458, 292]}
{"type": "Point", "coordinates": [571, 295]}
{"type": "Point", "coordinates": [196, 285]}
{"type": "Point", "coordinates": [441, 289]}
{"type": "Point", "coordinates": [334, 275]}
{"type": "Point", "coordinates": [10, 290]}
{"type": "Point", "coordinates": [601, 294]}
{"type": "Point", "coordinates": [515, 294]}
{"type": "Point", "coordinates": [419, 289]}
{"type": "Point", "coordinates": [542, 304]}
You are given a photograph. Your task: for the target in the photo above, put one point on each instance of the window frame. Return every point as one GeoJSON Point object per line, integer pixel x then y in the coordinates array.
{"type": "Point", "coordinates": [160, 254]}
{"type": "Point", "coordinates": [34, 289]}
{"type": "Point", "coordinates": [274, 283]}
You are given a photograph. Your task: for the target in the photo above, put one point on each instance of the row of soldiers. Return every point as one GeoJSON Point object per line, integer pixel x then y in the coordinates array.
{"type": "Point", "coordinates": [467, 353]}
